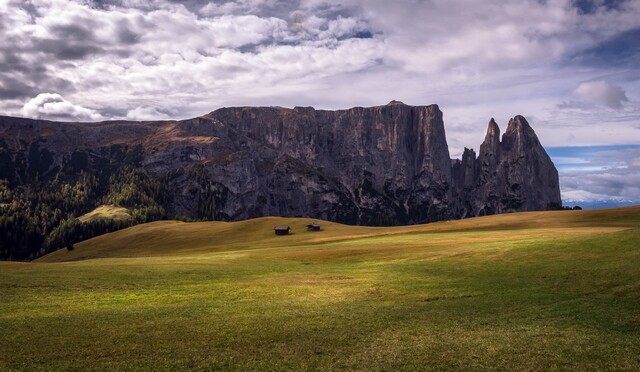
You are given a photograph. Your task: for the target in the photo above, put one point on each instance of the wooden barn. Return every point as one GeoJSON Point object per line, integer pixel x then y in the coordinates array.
{"type": "Point", "coordinates": [282, 230]}
{"type": "Point", "coordinates": [313, 227]}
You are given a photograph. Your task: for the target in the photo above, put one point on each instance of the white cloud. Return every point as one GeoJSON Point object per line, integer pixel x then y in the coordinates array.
{"type": "Point", "coordinates": [601, 92]}
{"type": "Point", "coordinates": [53, 106]}
{"type": "Point", "coordinates": [184, 59]}
{"type": "Point", "coordinates": [603, 174]}
{"type": "Point", "coordinates": [634, 163]}
{"type": "Point", "coordinates": [153, 60]}
{"type": "Point", "coordinates": [146, 114]}
{"type": "Point", "coordinates": [579, 195]}
{"type": "Point", "coordinates": [614, 183]}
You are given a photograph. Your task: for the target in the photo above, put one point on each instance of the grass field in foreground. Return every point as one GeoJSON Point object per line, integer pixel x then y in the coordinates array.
{"type": "Point", "coordinates": [541, 291]}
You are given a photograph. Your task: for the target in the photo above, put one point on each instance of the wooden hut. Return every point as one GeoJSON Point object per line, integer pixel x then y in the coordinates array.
{"type": "Point", "coordinates": [313, 227]}
{"type": "Point", "coordinates": [282, 230]}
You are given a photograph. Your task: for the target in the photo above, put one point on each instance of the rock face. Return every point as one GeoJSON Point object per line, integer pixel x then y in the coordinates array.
{"type": "Point", "coordinates": [514, 174]}
{"type": "Point", "coordinates": [382, 165]}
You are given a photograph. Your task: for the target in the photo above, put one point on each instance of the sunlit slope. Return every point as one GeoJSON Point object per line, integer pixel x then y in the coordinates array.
{"type": "Point", "coordinates": [169, 238]}
{"type": "Point", "coordinates": [107, 212]}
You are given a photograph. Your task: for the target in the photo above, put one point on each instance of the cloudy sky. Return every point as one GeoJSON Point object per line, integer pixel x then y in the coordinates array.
{"type": "Point", "coordinates": [572, 67]}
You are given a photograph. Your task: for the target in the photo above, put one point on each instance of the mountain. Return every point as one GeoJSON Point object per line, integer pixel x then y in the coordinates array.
{"type": "Point", "coordinates": [514, 174]}
{"type": "Point", "coordinates": [383, 165]}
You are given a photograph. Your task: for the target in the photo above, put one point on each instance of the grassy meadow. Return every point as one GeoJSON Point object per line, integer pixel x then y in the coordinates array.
{"type": "Point", "coordinates": [526, 291]}
{"type": "Point", "coordinates": [109, 212]}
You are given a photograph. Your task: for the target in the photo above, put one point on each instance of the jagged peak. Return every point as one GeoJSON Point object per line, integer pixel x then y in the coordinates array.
{"type": "Point", "coordinates": [493, 131]}
{"type": "Point", "coordinates": [519, 127]}
{"type": "Point", "coordinates": [520, 134]}
{"type": "Point", "coordinates": [518, 123]}
{"type": "Point", "coordinates": [490, 145]}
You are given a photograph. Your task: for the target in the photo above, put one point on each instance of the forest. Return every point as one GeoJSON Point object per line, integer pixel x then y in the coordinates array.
{"type": "Point", "coordinates": [43, 216]}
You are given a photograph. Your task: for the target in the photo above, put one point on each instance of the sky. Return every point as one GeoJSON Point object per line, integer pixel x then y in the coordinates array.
{"type": "Point", "coordinates": [571, 67]}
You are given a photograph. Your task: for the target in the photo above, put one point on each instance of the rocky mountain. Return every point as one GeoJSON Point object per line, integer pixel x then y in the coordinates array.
{"type": "Point", "coordinates": [382, 165]}
{"type": "Point", "coordinates": [514, 174]}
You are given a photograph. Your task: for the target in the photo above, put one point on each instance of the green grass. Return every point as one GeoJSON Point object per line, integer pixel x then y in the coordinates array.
{"type": "Point", "coordinates": [533, 291]}
{"type": "Point", "coordinates": [107, 212]}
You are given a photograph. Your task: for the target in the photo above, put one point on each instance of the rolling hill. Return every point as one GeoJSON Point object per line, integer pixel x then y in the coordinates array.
{"type": "Point", "coordinates": [173, 238]}
{"type": "Point", "coordinates": [536, 290]}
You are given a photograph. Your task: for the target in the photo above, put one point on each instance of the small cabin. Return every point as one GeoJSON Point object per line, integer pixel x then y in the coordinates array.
{"type": "Point", "coordinates": [282, 230]}
{"type": "Point", "coordinates": [313, 227]}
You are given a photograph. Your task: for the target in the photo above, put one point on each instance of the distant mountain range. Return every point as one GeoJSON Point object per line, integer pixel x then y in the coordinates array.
{"type": "Point", "coordinates": [600, 204]}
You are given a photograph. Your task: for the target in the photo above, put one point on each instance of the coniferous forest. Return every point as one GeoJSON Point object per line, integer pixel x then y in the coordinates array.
{"type": "Point", "coordinates": [41, 215]}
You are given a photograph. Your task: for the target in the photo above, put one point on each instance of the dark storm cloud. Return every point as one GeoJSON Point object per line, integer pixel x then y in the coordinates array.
{"type": "Point", "coordinates": [79, 29]}
{"type": "Point", "coordinates": [10, 61]}
{"type": "Point", "coordinates": [113, 112]}
{"type": "Point", "coordinates": [268, 8]}
{"type": "Point", "coordinates": [77, 39]}
{"type": "Point", "coordinates": [23, 75]}
{"type": "Point", "coordinates": [32, 61]}
{"type": "Point", "coordinates": [12, 88]}
{"type": "Point", "coordinates": [65, 50]}
{"type": "Point", "coordinates": [29, 7]}
{"type": "Point", "coordinates": [126, 35]}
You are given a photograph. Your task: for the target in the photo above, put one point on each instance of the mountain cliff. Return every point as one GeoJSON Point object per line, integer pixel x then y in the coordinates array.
{"type": "Point", "coordinates": [382, 165]}
{"type": "Point", "coordinates": [514, 174]}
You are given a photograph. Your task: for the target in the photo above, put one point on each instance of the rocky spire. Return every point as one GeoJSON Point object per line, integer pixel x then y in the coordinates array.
{"type": "Point", "coordinates": [514, 174]}
{"type": "Point", "coordinates": [468, 168]}
{"type": "Point", "coordinates": [491, 145]}
{"type": "Point", "coordinates": [519, 138]}
{"type": "Point", "coordinates": [493, 131]}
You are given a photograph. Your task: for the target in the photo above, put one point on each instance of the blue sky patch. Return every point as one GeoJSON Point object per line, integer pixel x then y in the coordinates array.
{"type": "Point", "coordinates": [587, 158]}
{"type": "Point", "coordinates": [603, 176]}
{"type": "Point", "coordinates": [621, 50]}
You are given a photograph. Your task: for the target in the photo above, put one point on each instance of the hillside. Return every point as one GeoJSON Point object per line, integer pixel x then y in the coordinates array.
{"type": "Point", "coordinates": [179, 238]}
{"type": "Point", "coordinates": [525, 291]}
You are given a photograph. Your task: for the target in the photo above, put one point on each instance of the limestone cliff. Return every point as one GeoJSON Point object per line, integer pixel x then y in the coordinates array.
{"type": "Point", "coordinates": [514, 174]}
{"type": "Point", "coordinates": [382, 165]}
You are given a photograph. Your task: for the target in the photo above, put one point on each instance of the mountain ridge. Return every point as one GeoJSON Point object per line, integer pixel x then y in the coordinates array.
{"type": "Point", "coordinates": [381, 165]}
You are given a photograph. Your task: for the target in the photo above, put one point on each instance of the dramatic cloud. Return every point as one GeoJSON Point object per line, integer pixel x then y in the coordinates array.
{"type": "Point", "coordinates": [495, 58]}
{"type": "Point", "coordinates": [571, 67]}
{"type": "Point", "coordinates": [53, 106]}
{"type": "Point", "coordinates": [599, 172]}
{"type": "Point", "coordinates": [146, 113]}
{"type": "Point", "coordinates": [601, 92]}
{"type": "Point", "coordinates": [310, 52]}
